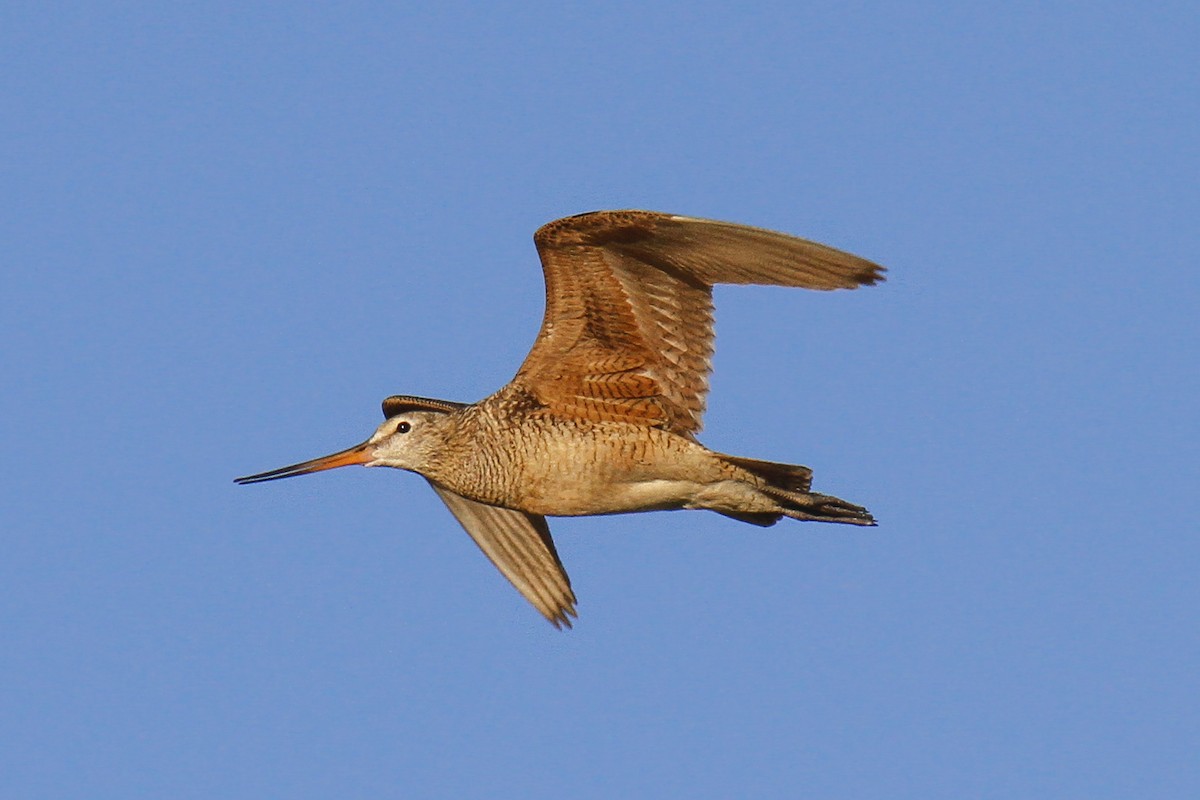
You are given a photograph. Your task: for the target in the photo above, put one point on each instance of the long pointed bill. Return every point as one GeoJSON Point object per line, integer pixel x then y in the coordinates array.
{"type": "Point", "coordinates": [359, 454]}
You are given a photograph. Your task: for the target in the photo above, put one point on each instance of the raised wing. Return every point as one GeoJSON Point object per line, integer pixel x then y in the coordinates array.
{"type": "Point", "coordinates": [520, 546]}
{"type": "Point", "coordinates": [628, 334]}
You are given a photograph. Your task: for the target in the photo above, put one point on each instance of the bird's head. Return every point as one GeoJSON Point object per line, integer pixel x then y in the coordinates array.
{"type": "Point", "coordinates": [409, 438]}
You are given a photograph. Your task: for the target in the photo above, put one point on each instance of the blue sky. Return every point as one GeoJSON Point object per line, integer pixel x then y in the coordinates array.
{"type": "Point", "coordinates": [228, 231]}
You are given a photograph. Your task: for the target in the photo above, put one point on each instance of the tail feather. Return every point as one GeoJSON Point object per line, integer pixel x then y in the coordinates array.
{"type": "Point", "coordinates": [788, 485]}
{"type": "Point", "coordinates": [763, 519]}
{"type": "Point", "coordinates": [789, 477]}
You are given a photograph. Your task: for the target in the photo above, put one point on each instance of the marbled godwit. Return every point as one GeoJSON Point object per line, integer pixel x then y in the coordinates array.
{"type": "Point", "coordinates": [602, 416]}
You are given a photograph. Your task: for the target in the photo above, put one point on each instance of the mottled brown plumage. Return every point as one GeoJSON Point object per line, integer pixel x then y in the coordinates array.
{"type": "Point", "coordinates": [602, 415]}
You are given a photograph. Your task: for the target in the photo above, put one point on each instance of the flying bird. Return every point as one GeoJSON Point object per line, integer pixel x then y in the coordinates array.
{"type": "Point", "coordinates": [602, 416]}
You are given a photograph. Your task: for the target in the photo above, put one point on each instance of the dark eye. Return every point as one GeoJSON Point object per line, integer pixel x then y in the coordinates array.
{"type": "Point", "coordinates": [403, 427]}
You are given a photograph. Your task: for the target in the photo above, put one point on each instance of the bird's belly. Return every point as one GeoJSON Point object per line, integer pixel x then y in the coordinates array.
{"type": "Point", "coordinates": [585, 498]}
{"type": "Point", "coordinates": [584, 486]}
{"type": "Point", "coordinates": [605, 469]}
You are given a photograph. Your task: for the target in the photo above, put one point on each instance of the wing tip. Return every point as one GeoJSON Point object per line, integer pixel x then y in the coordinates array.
{"type": "Point", "coordinates": [561, 617]}
{"type": "Point", "coordinates": [871, 274]}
